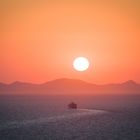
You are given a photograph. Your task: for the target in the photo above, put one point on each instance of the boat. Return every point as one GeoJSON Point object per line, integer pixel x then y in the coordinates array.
{"type": "Point", "coordinates": [72, 105]}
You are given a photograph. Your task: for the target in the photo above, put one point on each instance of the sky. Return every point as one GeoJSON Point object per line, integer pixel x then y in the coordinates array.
{"type": "Point", "coordinates": [39, 39]}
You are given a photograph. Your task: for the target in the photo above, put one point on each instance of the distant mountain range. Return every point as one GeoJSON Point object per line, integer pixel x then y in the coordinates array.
{"type": "Point", "coordinates": [68, 87]}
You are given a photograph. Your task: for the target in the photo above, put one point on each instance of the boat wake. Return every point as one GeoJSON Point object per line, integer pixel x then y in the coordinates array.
{"type": "Point", "coordinates": [70, 114]}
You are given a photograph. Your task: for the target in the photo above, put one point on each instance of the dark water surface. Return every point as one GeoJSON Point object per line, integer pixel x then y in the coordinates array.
{"type": "Point", "coordinates": [47, 118]}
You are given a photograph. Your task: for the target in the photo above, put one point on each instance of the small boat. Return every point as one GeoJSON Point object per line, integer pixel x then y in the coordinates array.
{"type": "Point", "coordinates": [72, 105]}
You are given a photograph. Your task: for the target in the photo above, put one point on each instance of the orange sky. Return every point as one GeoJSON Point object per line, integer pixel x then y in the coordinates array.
{"type": "Point", "coordinates": [39, 40]}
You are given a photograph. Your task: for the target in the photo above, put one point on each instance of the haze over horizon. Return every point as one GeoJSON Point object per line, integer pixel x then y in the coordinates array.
{"type": "Point", "coordinates": [64, 78]}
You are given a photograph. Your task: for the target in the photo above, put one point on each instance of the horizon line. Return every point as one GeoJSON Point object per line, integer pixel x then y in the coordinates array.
{"type": "Point", "coordinates": [18, 81]}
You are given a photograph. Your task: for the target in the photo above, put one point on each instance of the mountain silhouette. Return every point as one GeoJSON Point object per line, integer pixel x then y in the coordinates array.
{"type": "Point", "coordinates": [69, 86]}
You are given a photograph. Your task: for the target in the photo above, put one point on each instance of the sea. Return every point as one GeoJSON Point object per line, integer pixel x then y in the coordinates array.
{"type": "Point", "coordinates": [47, 117]}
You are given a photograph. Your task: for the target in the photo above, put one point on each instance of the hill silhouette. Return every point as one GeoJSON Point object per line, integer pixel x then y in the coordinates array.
{"type": "Point", "coordinates": [69, 86]}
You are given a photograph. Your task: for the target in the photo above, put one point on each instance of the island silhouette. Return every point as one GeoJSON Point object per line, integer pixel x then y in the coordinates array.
{"type": "Point", "coordinates": [68, 87]}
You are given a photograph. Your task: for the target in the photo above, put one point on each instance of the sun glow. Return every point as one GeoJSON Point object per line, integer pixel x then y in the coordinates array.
{"type": "Point", "coordinates": [81, 64]}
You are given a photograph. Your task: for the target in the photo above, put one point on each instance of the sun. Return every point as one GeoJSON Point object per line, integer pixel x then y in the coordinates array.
{"type": "Point", "coordinates": [81, 63]}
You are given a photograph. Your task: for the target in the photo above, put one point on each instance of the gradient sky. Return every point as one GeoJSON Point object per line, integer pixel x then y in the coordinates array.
{"type": "Point", "coordinates": [39, 39]}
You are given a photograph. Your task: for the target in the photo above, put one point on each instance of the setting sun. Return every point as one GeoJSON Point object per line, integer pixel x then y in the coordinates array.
{"type": "Point", "coordinates": [81, 64]}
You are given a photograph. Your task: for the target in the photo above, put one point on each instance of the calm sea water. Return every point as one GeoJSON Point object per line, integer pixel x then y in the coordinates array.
{"type": "Point", "coordinates": [47, 118]}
